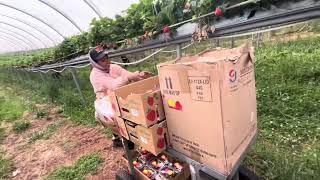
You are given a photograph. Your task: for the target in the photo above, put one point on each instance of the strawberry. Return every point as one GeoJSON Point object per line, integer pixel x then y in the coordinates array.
{"type": "Point", "coordinates": [166, 29]}
{"type": "Point", "coordinates": [161, 143]}
{"type": "Point", "coordinates": [151, 116]}
{"type": "Point", "coordinates": [178, 106]}
{"type": "Point", "coordinates": [150, 101]}
{"type": "Point", "coordinates": [218, 11]}
{"type": "Point", "coordinates": [159, 131]}
{"type": "Point", "coordinates": [187, 6]}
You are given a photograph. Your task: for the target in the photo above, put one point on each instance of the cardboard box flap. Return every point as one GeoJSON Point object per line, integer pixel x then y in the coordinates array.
{"type": "Point", "coordinates": [182, 60]}
{"type": "Point", "coordinates": [135, 89]}
{"type": "Point", "coordinates": [226, 54]}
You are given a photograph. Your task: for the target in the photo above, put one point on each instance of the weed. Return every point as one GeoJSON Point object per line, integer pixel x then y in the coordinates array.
{"type": "Point", "coordinates": [11, 108]}
{"type": "Point", "coordinates": [83, 166]}
{"type": "Point", "coordinates": [6, 167]}
{"type": "Point", "coordinates": [46, 133]}
{"type": "Point", "coordinates": [108, 132]}
{"type": "Point", "coordinates": [42, 114]}
{"type": "Point", "coordinates": [2, 135]}
{"type": "Point", "coordinates": [20, 126]}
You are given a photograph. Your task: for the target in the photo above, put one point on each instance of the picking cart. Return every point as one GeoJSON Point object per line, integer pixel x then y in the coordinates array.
{"type": "Point", "coordinates": [198, 171]}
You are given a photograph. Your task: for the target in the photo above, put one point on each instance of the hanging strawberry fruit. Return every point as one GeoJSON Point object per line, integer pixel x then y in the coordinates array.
{"type": "Point", "coordinates": [218, 11]}
{"type": "Point", "coordinates": [166, 29]}
{"type": "Point", "coordinates": [187, 5]}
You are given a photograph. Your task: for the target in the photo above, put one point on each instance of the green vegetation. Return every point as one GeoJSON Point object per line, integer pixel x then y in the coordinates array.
{"type": "Point", "coordinates": [11, 107]}
{"type": "Point", "coordinates": [6, 167]}
{"type": "Point", "coordinates": [288, 92]}
{"type": "Point", "coordinates": [47, 132]}
{"type": "Point", "coordinates": [20, 126]}
{"type": "Point", "coordinates": [82, 167]}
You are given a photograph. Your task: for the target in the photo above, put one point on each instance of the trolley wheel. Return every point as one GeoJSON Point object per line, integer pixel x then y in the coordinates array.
{"type": "Point", "coordinates": [123, 175]}
{"type": "Point", "coordinates": [246, 174]}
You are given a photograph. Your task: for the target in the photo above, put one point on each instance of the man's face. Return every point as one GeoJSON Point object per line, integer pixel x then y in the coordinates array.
{"type": "Point", "coordinates": [104, 62]}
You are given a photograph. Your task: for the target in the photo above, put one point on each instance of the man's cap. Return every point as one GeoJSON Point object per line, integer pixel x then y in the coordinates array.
{"type": "Point", "coordinates": [98, 53]}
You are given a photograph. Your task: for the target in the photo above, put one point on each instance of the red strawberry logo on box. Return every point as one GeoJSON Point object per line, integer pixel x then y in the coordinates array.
{"type": "Point", "coordinates": [151, 116]}
{"type": "Point", "coordinates": [150, 101]}
{"type": "Point", "coordinates": [160, 131]}
{"type": "Point", "coordinates": [161, 143]}
{"type": "Point", "coordinates": [174, 104]}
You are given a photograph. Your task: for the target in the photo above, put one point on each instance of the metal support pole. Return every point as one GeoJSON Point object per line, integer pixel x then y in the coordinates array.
{"type": "Point", "coordinates": [76, 81]}
{"type": "Point", "coordinates": [194, 171]}
{"type": "Point", "coordinates": [127, 153]}
{"type": "Point", "coordinates": [18, 76]}
{"type": "Point", "coordinates": [218, 43]}
{"type": "Point", "coordinates": [179, 51]}
{"type": "Point", "coordinates": [232, 42]}
{"type": "Point", "coordinates": [42, 78]}
{"type": "Point", "coordinates": [27, 75]}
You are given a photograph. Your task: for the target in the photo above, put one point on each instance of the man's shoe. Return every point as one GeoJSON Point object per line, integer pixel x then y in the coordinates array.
{"type": "Point", "coordinates": [117, 143]}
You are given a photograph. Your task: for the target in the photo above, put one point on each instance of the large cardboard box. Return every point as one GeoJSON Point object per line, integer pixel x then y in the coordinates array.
{"type": "Point", "coordinates": [210, 105]}
{"type": "Point", "coordinates": [139, 102]}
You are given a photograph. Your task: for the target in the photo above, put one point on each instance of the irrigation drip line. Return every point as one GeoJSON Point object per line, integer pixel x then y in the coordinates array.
{"type": "Point", "coordinates": [139, 61]}
{"type": "Point", "coordinates": [86, 65]}
{"type": "Point", "coordinates": [181, 48]}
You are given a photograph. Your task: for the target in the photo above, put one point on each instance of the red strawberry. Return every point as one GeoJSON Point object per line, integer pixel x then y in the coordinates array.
{"type": "Point", "coordinates": [160, 131]}
{"type": "Point", "coordinates": [218, 11]}
{"type": "Point", "coordinates": [166, 29]}
{"type": "Point", "coordinates": [161, 143]}
{"type": "Point", "coordinates": [178, 106]}
{"type": "Point", "coordinates": [151, 116]}
{"type": "Point", "coordinates": [113, 107]}
{"type": "Point", "coordinates": [150, 101]}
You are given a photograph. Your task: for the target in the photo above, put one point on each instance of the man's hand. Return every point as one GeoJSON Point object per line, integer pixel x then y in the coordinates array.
{"type": "Point", "coordinates": [145, 74]}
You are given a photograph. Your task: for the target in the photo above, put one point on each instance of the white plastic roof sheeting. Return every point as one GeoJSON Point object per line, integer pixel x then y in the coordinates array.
{"type": "Point", "coordinates": [35, 24]}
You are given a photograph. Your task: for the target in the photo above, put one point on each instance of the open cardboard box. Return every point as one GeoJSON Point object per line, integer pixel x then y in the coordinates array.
{"type": "Point", "coordinates": [210, 105]}
{"type": "Point", "coordinates": [183, 175]}
{"type": "Point", "coordinates": [139, 102]}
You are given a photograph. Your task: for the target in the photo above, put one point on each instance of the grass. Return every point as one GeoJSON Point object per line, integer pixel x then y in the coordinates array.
{"type": "Point", "coordinates": [288, 93]}
{"type": "Point", "coordinates": [46, 133]}
{"type": "Point", "coordinates": [20, 126]}
{"type": "Point", "coordinates": [107, 132]}
{"type": "Point", "coordinates": [6, 167]}
{"type": "Point", "coordinates": [11, 107]}
{"type": "Point", "coordinates": [82, 167]}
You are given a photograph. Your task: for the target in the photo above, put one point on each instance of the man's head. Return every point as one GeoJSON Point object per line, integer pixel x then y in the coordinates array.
{"type": "Point", "coordinates": [100, 56]}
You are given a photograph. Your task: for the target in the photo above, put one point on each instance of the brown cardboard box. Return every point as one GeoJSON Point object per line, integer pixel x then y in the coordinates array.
{"type": "Point", "coordinates": [210, 105]}
{"type": "Point", "coordinates": [140, 102]}
{"type": "Point", "coordinates": [153, 139]}
{"type": "Point", "coordinates": [114, 103]}
{"type": "Point", "coordinates": [122, 127]}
